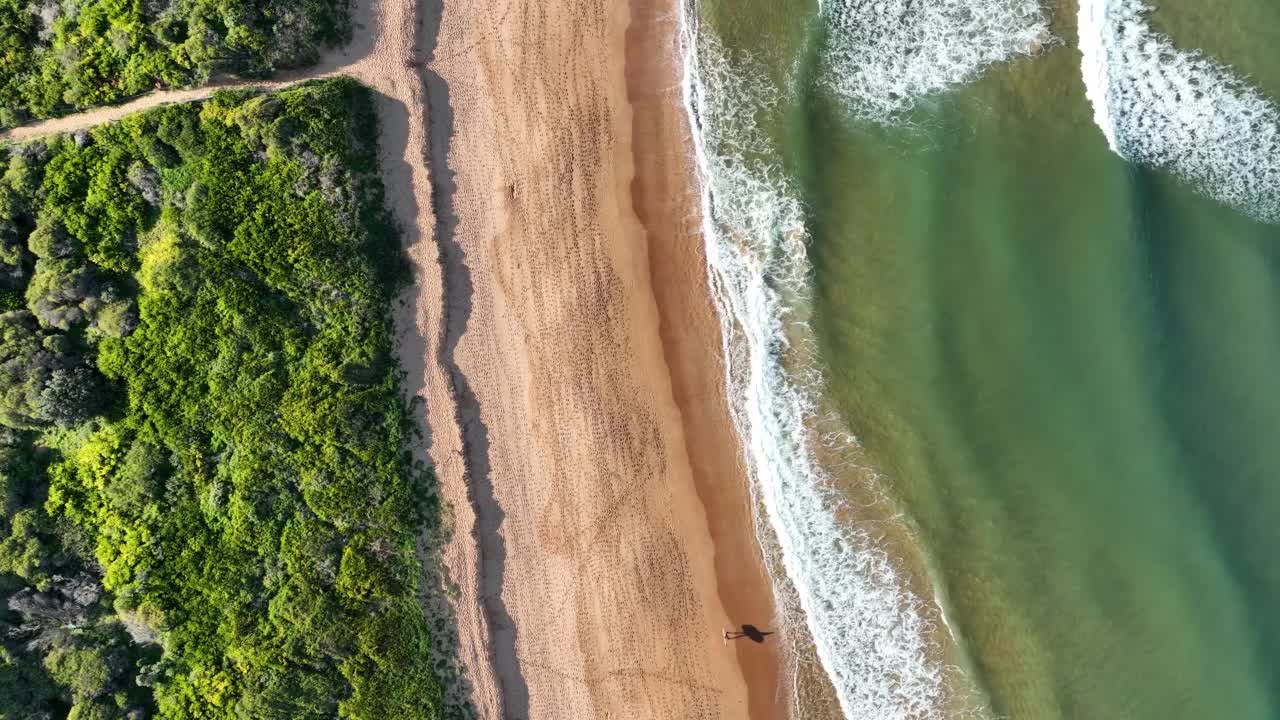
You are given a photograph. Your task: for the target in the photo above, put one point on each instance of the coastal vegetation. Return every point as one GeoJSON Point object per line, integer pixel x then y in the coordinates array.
{"type": "Point", "coordinates": [207, 506]}
{"type": "Point", "coordinates": [57, 56]}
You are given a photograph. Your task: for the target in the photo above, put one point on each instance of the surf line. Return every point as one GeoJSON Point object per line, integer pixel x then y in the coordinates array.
{"type": "Point", "coordinates": [872, 634]}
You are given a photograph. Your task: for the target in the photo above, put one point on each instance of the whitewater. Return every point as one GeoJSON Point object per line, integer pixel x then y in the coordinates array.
{"type": "Point", "coordinates": [883, 56]}
{"type": "Point", "coordinates": [872, 634]}
{"type": "Point", "coordinates": [1180, 111]}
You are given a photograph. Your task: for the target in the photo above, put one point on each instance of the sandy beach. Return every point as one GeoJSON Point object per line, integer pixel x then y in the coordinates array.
{"type": "Point", "coordinates": [561, 338]}
{"type": "Point", "coordinates": [612, 509]}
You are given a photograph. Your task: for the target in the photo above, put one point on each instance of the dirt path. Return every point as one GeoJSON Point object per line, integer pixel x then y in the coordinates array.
{"type": "Point", "coordinates": [383, 38]}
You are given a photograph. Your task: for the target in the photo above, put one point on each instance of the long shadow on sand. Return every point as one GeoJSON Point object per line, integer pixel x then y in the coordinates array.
{"type": "Point", "coordinates": [437, 588]}
{"type": "Point", "coordinates": [458, 293]}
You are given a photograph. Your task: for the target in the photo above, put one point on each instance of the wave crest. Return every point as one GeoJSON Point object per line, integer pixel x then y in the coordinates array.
{"type": "Point", "coordinates": [1179, 110]}
{"type": "Point", "coordinates": [884, 55]}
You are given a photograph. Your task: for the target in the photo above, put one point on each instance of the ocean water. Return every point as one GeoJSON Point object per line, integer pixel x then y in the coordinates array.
{"type": "Point", "coordinates": [1000, 283]}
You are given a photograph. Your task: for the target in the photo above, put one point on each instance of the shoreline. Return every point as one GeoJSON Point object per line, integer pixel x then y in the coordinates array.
{"type": "Point", "coordinates": [688, 321]}
{"type": "Point", "coordinates": [865, 637]}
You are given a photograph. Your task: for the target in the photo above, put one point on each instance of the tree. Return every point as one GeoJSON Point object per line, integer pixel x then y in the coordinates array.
{"type": "Point", "coordinates": [41, 379]}
{"type": "Point", "coordinates": [147, 181]}
{"type": "Point", "coordinates": [50, 239]}
{"type": "Point", "coordinates": [25, 366]}
{"type": "Point", "coordinates": [71, 396]}
{"type": "Point", "coordinates": [85, 672]}
{"type": "Point", "coordinates": [15, 262]}
{"type": "Point", "coordinates": [168, 262]}
{"type": "Point", "coordinates": [117, 319]}
{"type": "Point", "coordinates": [26, 690]}
{"type": "Point", "coordinates": [62, 292]}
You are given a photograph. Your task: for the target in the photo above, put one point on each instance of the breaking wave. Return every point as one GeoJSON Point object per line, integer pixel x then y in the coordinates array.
{"type": "Point", "coordinates": [883, 55]}
{"type": "Point", "coordinates": [1178, 110]}
{"type": "Point", "coordinates": [871, 633]}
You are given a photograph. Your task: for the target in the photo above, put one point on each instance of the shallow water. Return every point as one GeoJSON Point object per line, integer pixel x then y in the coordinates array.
{"type": "Point", "coordinates": [1062, 366]}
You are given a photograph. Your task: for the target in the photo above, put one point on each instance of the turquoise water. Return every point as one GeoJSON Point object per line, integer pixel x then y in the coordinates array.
{"type": "Point", "coordinates": [1064, 367]}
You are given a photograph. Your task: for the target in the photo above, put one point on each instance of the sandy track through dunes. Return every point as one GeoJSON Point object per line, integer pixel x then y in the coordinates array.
{"type": "Point", "coordinates": [563, 343]}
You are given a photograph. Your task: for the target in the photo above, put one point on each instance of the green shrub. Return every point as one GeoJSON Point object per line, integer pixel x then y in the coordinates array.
{"type": "Point", "coordinates": [214, 381]}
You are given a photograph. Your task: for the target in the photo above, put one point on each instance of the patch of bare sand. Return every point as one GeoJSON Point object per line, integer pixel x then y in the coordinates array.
{"type": "Point", "coordinates": [612, 503]}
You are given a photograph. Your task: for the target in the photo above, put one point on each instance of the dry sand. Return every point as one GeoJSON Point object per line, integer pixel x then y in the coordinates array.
{"type": "Point", "coordinates": [561, 337]}
{"type": "Point", "coordinates": [613, 513]}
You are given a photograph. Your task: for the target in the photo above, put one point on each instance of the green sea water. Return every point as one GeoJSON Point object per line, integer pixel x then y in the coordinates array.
{"type": "Point", "coordinates": [1065, 368]}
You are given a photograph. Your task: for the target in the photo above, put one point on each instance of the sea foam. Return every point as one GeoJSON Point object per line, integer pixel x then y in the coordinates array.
{"type": "Point", "coordinates": [1178, 110]}
{"type": "Point", "coordinates": [884, 55]}
{"type": "Point", "coordinates": [871, 633]}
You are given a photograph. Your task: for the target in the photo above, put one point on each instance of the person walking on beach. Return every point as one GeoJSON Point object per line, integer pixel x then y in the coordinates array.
{"type": "Point", "coordinates": [748, 631]}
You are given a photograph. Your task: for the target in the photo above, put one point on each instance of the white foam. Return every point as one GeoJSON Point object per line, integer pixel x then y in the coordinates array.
{"type": "Point", "coordinates": [1093, 66]}
{"type": "Point", "coordinates": [1178, 110]}
{"type": "Point", "coordinates": [884, 55]}
{"type": "Point", "coordinates": [870, 632]}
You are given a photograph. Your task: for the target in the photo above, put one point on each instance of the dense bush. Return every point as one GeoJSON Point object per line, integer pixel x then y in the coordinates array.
{"type": "Point", "coordinates": [60, 55]}
{"type": "Point", "coordinates": [63, 651]}
{"type": "Point", "coordinates": [202, 389]}
{"type": "Point", "coordinates": [42, 379]}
